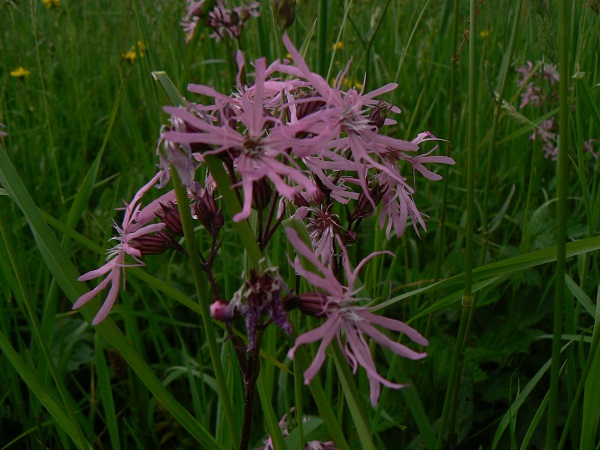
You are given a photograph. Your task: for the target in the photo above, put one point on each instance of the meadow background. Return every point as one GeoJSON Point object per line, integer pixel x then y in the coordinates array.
{"type": "Point", "coordinates": [81, 123]}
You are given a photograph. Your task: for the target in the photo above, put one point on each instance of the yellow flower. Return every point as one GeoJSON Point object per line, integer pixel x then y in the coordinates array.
{"type": "Point", "coordinates": [51, 3]}
{"type": "Point", "coordinates": [338, 45]}
{"type": "Point", "coordinates": [484, 33]}
{"type": "Point", "coordinates": [352, 84]}
{"type": "Point", "coordinates": [140, 48]}
{"type": "Point", "coordinates": [130, 56]}
{"type": "Point", "coordinates": [20, 72]}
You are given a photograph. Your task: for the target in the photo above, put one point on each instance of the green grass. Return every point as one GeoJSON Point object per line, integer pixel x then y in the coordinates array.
{"type": "Point", "coordinates": [81, 135]}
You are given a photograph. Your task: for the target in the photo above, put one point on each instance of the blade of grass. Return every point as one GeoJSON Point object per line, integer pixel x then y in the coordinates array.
{"type": "Point", "coordinates": [590, 382]}
{"type": "Point", "coordinates": [55, 408]}
{"type": "Point", "coordinates": [323, 405]}
{"type": "Point", "coordinates": [520, 400]}
{"type": "Point", "coordinates": [207, 322]}
{"type": "Point", "coordinates": [352, 399]}
{"type": "Point", "coordinates": [65, 274]}
{"type": "Point", "coordinates": [47, 363]}
{"type": "Point", "coordinates": [106, 393]}
{"type": "Point", "coordinates": [561, 218]}
{"type": "Point", "coordinates": [505, 267]}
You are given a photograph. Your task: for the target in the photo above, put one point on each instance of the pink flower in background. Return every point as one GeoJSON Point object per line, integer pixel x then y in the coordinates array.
{"type": "Point", "coordinates": [225, 22]}
{"type": "Point", "coordinates": [397, 201]}
{"type": "Point", "coordinates": [346, 320]}
{"type": "Point", "coordinates": [134, 236]}
{"type": "Point", "coordinates": [588, 146]}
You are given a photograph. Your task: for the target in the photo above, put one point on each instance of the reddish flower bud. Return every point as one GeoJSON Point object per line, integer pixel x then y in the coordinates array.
{"type": "Point", "coordinates": [285, 13]}
{"type": "Point", "coordinates": [170, 242]}
{"type": "Point", "coordinates": [378, 114]}
{"type": "Point", "coordinates": [364, 208]}
{"type": "Point", "coordinates": [149, 244]}
{"type": "Point", "coordinates": [207, 212]}
{"type": "Point", "coordinates": [169, 214]}
{"type": "Point", "coordinates": [261, 194]}
{"type": "Point", "coordinates": [220, 310]}
{"type": "Point", "coordinates": [307, 107]}
{"type": "Point", "coordinates": [312, 303]}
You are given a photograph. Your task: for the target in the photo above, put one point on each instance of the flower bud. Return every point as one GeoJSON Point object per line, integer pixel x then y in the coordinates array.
{"type": "Point", "coordinates": [364, 207]}
{"type": "Point", "coordinates": [169, 215]}
{"type": "Point", "coordinates": [221, 310]}
{"type": "Point", "coordinates": [285, 13]}
{"type": "Point", "coordinates": [149, 244]}
{"type": "Point", "coordinates": [261, 194]}
{"type": "Point", "coordinates": [312, 303]}
{"type": "Point", "coordinates": [349, 237]}
{"type": "Point", "coordinates": [307, 107]}
{"type": "Point", "coordinates": [170, 242]}
{"type": "Point", "coordinates": [207, 212]}
{"type": "Point", "coordinates": [378, 114]}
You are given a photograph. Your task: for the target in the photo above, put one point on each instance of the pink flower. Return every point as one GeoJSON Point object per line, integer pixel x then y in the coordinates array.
{"type": "Point", "coordinates": [132, 233]}
{"type": "Point", "coordinates": [346, 320]}
{"type": "Point", "coordinates": [589, 148]}
{"type": "Point", "coordinates": [225, 22]}
{"type": "Point", "coordinates": [353, 121]}
{"type": "Point", "coordinates": [397, 201]}
{"type": "Point", "coordinates": [259, 150]}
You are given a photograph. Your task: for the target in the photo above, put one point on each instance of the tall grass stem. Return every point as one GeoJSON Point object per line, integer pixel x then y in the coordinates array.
{"type": "Point", "coordinates": [196, 266]}
{"type": "Point", "coordinates": [561, 219]}
{"type": "Point", "coordinates": [467, 300]}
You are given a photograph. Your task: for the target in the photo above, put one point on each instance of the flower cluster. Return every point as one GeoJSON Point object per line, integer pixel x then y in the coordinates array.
{"type": "Point", "coordinates": [540, 90]}
{"type": "Point", "coordinates": [225, 23]}
{"type": "Point", "coordinates": [292, 146]}
{"type": "Point", "coordinates": [314, 142]}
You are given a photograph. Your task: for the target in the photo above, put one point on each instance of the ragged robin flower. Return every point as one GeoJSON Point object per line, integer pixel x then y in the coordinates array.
{"type": "Point", "coordinates": [136, 238]}
{"type": "Point", "coordinates": [346, 320]}
{"type": "Point", "coordinates": [258, 145]}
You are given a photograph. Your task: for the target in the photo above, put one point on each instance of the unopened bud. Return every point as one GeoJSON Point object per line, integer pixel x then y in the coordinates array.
{"type": "Point", "coordinates": [261, 194]}
{"type": "Point", "coordinates": [349, 237]}
{"type": "Point", "coordinates": [285, 13]}
{"type": "Point", "coordinates": [312, 303]}
{"type": "Point", "coordinates": [149, 244]}
{"type": "Point", "coordinates": [169, 215]}
{"type": "Point", "coordinates": [221, 310]}
{"type": "Point", "coordinates": [170, 242]}
{"type": "Point", "coordinates": [308, 107]}
{"type": "Point", "coordinates": [377, 116]}
{"type": "Point", "coordinates": [207, 212]}
{"type": "Point", "coordinates": [364, 207]}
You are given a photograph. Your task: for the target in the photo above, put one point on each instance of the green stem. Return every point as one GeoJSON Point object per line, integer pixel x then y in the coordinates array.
{"type": "Point", "coordinates": [468, 300]}
{"type": "Point", "coordinates": [233, 206]}
{"type": "Point", "coordinates": [322, 37]}
{"type": "Point", "coordinates": [498, 108]}
{"type": "Point", "coordinates": [580, 386]}
{"type": "Point", "coordinates": [441, 234]}
{"type": "Point", "coordinates": [352, 398]}
{"type": "Point", "coordinates": [561, 218]}
{"type": "Point", "coordinates": [196, 264]}
{"type": "Point", "coordinates": [77, 435]}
